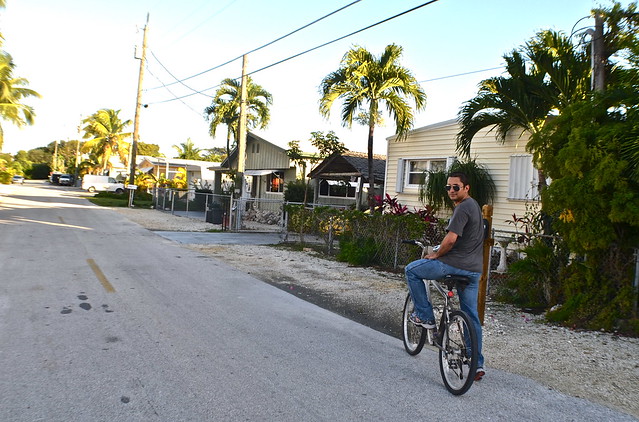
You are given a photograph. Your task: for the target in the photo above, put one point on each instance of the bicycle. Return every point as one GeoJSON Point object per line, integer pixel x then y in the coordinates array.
{"type": "Point", "coordinates": [455, 338]}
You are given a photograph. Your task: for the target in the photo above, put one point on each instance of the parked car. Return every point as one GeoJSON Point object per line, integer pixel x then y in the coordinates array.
{"type": "Point", "coordinates": [93, 183]}
{"type": "Point", "coordinates": [17, 179]}
{"type": "Point", "coordinates": [54, 178]}
{"type": "Point", "coordinates": [65, 180]}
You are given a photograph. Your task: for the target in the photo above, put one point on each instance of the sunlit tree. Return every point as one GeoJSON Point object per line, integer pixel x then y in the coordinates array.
{"type": "Point", "coordinates": [367, 84]}
{"type": "Point", "coordinates": [106, 135]}
{"type": "Point", "coordinates": [225, 109]}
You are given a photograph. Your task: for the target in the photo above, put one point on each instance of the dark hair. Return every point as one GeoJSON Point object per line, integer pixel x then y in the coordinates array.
{"type": "Point", "coordinates": [462, 176]}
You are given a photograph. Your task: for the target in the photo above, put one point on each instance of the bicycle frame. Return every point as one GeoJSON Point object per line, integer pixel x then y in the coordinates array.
{"type": "Point", "coordinates": [434, 336]}
{"type": "Point", "coordinates": [454, 337]}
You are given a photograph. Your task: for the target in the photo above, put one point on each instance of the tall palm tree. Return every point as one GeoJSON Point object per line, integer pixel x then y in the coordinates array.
{"type": "Point", "coordinates": [225, 108]}
{"type": "Point", "coordinates": [366, 84]}
{"type": "Point", "coordinates": [108, 137]}
{"type": "Point", "coordinates": [12, 92]}
{"type": "Point", "coordinates": [188, 151]}
{"type": "Point", "coordinates": [550, 75]}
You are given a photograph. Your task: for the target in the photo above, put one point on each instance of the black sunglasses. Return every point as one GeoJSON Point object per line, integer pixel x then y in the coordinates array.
{"type": "Point", "coordinates": [456, 188]}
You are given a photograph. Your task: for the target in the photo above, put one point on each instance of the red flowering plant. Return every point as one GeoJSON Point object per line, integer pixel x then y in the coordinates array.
{"type": "Point", "coordinates": [390, 205]}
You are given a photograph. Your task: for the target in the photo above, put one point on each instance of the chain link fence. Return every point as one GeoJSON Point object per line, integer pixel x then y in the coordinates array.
{"type": "Point", "coordinates": [209, 207]}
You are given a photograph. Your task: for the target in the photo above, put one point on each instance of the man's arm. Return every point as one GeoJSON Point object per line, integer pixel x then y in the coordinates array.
{"type": "Point", "coordinates": [445, 246]}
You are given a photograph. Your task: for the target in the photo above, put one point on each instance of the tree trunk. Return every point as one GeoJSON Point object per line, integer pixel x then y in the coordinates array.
{"type": "Point", "coordinates": [371, 175]}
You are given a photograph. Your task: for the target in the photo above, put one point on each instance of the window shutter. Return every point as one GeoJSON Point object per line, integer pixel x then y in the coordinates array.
{"type": "Point", "coordinates": [399, 182]}
{"type": "Point", "coordinates": [523, 179]}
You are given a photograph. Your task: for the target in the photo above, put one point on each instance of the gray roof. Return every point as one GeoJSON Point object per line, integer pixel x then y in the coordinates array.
{"type": "Point", "coordinates": [350, 163]}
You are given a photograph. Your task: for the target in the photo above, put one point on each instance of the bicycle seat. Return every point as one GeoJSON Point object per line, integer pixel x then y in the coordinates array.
{"type": "Point", "coordinates": [453, 279]}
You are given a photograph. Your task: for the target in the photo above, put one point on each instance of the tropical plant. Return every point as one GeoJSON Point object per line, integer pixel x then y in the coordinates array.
{"type": "Point", "coordinates": [543, 77]}
{"type": "Point", "coordinates": [482, 185]}
{"type": "Point", "coordinates": [12, 91]}
{"type": "Point", "coordinates": [106, 135]}
{"type": "Point", "coordinates": [152, 150]}
{"type": "Point", "coordinates": [366, 84]}
{"type": "Point", "coordinates": [179, 180]}
{"type": "Point", "coordinates": [225, 109]}
{"type": "Point", "coordinates": [188, 151]}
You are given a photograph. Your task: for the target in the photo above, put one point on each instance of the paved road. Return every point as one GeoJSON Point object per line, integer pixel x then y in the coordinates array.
{"type": "Point", "coordinates": [101, 320]}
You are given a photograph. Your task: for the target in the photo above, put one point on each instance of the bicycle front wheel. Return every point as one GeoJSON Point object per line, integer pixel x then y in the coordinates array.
{"type": "Point", "coordinates": [413, 335]}
{"type": "Point", "coordinates": [458, 354]}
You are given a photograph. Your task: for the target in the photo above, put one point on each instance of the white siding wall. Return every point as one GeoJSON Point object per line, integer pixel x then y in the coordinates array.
{"type": "Point", "coordinates": [438, 141]}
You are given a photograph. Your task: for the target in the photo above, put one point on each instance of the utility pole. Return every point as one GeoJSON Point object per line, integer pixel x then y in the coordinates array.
{"type": "Point", "coordinates": [241, 138]}
{"type": "Point", "coordinates": [598, 78]}
{"type": "Point", "coordinates": [138, 105]}
{"type": "Point", "coordinates": [54, 164]}
{"type": "Point", "coordinates": [77, 159]}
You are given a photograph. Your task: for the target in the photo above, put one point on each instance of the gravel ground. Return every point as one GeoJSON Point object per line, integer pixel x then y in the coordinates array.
{"type": "Point", "coordinates": [597, 366]}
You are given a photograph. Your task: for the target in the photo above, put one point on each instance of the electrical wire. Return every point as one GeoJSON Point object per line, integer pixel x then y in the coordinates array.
{"type": "Point", "coordinates": [461, 74]}
{"type": "Point", "coordinates": [170, 92]}
{"type": "Point", "coordinates": [251, 51]}
{"type": "Point", "coordinates": [309, 50]}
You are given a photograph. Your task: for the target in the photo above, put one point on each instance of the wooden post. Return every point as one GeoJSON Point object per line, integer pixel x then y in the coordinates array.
{"type": "Point", "coordinates": [487, 213]}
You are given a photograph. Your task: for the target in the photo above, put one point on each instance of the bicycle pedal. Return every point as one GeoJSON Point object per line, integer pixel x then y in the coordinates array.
{"type": "Point", "coordinates": [432, 337]}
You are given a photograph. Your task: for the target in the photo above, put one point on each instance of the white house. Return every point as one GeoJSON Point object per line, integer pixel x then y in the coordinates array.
{"type": "Point", "coordinates": [433, 148]}
{"type": "Point", "coordinates": [198, 173]}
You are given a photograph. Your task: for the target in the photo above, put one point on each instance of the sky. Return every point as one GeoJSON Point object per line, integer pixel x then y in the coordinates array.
{"type": "Point", "coordinates": [80, 55]}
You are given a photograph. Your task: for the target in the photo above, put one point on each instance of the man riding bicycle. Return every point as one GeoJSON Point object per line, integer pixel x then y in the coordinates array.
{"type": "Point", "coordinates": [460, 253]}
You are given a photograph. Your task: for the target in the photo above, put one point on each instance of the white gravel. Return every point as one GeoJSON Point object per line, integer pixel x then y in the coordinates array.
{"type": "Point", "coordinates": [600, 367]}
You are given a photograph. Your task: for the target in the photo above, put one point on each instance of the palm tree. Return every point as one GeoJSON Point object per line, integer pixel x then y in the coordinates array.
{"type": "Point", "coordinates": [482, 185]}
{"type": "Point", "coordinates": [12, 91]}
{"type": "Point", "coordinates": [225, 108]}
{"type": "Point", "coordinates": [366, 83]}
{"type": "Point", "coordinates": [108, 137]}
{"type": "Point", "coordinates": [188, 151]}
{"type": "Point", "coordinates": [551, 75]}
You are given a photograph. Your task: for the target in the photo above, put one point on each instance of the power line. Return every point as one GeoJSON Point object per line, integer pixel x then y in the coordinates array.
{"type": "Point", "coordinates": [461, 74]}
{"type": "Point", "coordinates": [170, 92]}
{"type": "Point", "coordinates": [254, 50]}
{"type": "Point", "coordinates": [344, 36]}
{"type": "Point", "coordinates": [309, 50]}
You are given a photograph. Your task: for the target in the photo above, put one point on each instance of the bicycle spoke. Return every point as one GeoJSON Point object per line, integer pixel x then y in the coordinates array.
{"type": "Point", "coordinates": [456, 359]}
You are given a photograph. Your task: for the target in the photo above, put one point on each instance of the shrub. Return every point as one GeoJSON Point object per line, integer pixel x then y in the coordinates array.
{"type": "Point", "coordinates": [535, 281]}
{"type": "Point", "coordinates": [294, 191]}
{"type": "Point", "coordinates": [358, 251]}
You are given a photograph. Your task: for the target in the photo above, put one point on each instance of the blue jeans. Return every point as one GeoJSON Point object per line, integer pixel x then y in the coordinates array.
{"type": "Point", "coordinates": [433, 269]}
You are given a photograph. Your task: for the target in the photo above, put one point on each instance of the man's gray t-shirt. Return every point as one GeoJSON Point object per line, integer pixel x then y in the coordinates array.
{"type": "Point", "coordinates": [467, 223]}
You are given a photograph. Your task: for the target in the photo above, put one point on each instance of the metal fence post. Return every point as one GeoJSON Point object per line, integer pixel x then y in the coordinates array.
{"type": "Point", "coordinates": [396, 258]}
{"type": "Point", "coordinates": [187, 202]}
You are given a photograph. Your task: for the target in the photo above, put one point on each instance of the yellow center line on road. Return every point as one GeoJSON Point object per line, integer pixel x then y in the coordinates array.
{"type": "Point", "coordinates": [101, 277]}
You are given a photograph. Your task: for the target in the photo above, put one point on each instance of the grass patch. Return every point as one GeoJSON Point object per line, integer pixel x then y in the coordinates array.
{"type": "Point", "coordinates": [110, 199]}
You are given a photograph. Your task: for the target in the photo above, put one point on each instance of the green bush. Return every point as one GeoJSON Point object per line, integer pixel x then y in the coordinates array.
{"type": "Point", "coordinates": [5, 177]}
{"type": "Point", "coordinates": [294, 191]}
{"type": "Point", "coordinates": [359, 251]}
{"type": "Point", "coordinates": [535, 281]}
{"type": "Point", "coordinates": [112, 199]}
{"type": "Point", "coordinates": [597, 296]}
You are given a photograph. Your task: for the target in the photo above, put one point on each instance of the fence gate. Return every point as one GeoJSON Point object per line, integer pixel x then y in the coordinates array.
{"type": "Point", "coordinates": [256, 214]}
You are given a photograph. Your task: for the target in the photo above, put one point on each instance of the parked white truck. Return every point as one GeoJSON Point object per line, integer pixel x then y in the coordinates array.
{"type": "Point", "coordinates": [93, 183]}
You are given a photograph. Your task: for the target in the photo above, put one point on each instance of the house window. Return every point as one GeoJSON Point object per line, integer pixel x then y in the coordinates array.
{"type": "Point", "coordinates": [524, 179]}
{"type": "Point", "coordinates": [337, 188]}
{"type": "Point", "coordinates": [416, 168]}
{"type": "Point", "coordinates": [255, 148]}
{"type": "Point", "coordinates": [275, 182]}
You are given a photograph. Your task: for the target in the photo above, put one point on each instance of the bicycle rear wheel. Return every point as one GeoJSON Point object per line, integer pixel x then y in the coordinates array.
{"type": "Point", "coordinates": [458, 355]}
{"type": "Point", "coordinates": [413, 335]}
